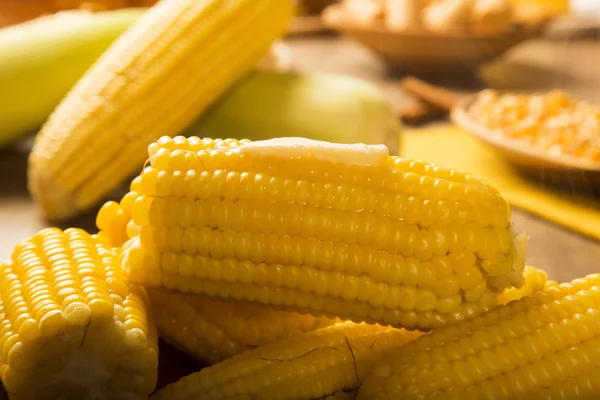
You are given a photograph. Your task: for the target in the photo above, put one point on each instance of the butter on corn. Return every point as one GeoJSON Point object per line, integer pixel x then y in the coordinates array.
{"type": "Point", "coordinates": [71, 326]}
{"type": "Point", "coordinates": [544, 346]}
{"type": "Point", "coordinates": [398, 242]}
{"type": "Point", "coordinates": [312, 365]}
{"type": "Point", "coordinates": [355, 154]}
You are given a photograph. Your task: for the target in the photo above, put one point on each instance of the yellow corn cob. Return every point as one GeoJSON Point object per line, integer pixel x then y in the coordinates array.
{"type": "Point", "coordinates": [544, 346]}
{"type": "Point", "coordinates": [535, 281]}
{"type": "Point", "coordinates": [157, 77]}
{"type": "Point", "coordinates": [342, 230]}
{"type": "Point", "coordinates": [71, 327]}
{"type": "Point", "coordinates": [307, 366]}
{"type": "Point", "coordinates": [214, 330]}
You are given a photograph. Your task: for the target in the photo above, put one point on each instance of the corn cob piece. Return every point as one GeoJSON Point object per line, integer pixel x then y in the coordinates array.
{"type": "Point", "coordinates": [308, 366]}
{"type": "Point", "coordinates": [338, 230]}
{"type": "Point", "coordinates": [158, 77]}
{"type": "Point", "coordinates": [535, 281]}
{"type": "Point", "coordinates": [214, 330]}
{"type": "Point", "coordinates": [71, 327]}
{"type": "Point", "coordinates": [544, 346]}
{"type": "Point", "coordinates": [43, 58]}
{"type": "Point", "coordinates": [265, 104]}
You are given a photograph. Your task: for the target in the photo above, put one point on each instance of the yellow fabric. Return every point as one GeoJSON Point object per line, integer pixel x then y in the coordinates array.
{"type": "Point", "coordinates": [448, 145]}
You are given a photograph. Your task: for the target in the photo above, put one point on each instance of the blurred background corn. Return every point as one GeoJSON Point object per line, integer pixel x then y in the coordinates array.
{"type": "Point", "coordinates": [544, 346]}
{"type": "Point", "coordinates": [43, 58]}
{"type": "Point", "coordinates": [335, 108]}
{"type": "Point", "coordinates": [212, 331]}
{"type": "Point", "coordinates": [309, 366]}
{"type": "Point", "coordinates": [71, 326]}
{"type": "Point", "coordinates": [185, 53]}
{"type": "Point", "coordinates": [429, 246]}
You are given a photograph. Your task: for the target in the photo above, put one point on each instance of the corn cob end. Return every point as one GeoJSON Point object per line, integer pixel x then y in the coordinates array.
{"type": "Point", "coordinates": [71, 326]}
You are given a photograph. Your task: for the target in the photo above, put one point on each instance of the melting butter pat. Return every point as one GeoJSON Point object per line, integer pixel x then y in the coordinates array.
{"type": "Point", "coordinates": [295, 147]}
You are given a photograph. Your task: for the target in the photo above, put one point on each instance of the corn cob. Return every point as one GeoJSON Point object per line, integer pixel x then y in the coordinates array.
{"type": "Point", "coordinates": [544, 346]}
{"type": "Point", "coordinates": [43, 58]}
{"type": "Point", "coordinates": [265, 104]}
{"type": "Point", "coordinates": [214, 330]}
{"type": "Point", "coordinates": [71, 327]}
{"type": "Point", "coordinates": [307, 366]}
{"type": "Point", "coordinates": [345, 232]}
{"type": "Point", "coordinates": [158, 77]}
{"type": "Point", "coordinates": [535, 281]}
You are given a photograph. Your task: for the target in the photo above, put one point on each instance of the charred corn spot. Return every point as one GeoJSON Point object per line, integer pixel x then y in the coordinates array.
{"type": "Point", "coordinates": [544, 346]}
{"type": "Point", "coordinates": [186, 54]}
{"type": "Point", "coordinates": [535, 281]}
{"type": "Point", "coordinates": [308, 366]}
{"type": "Point", "coordinates": [70, 325]}
{"type": "Point", "coordinates": [386, 240]}
{"type": "Point", "coordinates": [214, 330]}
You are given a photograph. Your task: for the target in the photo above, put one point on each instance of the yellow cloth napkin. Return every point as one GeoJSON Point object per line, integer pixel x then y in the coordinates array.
{"type": "Point", "coordinates": [449, 145]}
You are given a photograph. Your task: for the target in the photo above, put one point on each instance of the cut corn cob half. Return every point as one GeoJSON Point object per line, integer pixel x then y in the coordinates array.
{"type": "Point", "coordinates": [344, 231]}
{"type": "Point", "coordinates": [309, 366]}
{"type": "Point", "coordinates": [157, 77]}
{"type": "Point", "coordinates": [71, 326]}
{"type": "Point", "coordinates": [535, 280]}
{"type": "Point", "coordinates": [212, 330]}
{"type": "Point", "coordinates": [544, 346]}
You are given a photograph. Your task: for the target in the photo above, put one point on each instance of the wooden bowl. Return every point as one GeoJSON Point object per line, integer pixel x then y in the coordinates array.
{"type": "Point", "coordinates": [420, 51]}
{"type": "Point", "coordinates": [531, 160]}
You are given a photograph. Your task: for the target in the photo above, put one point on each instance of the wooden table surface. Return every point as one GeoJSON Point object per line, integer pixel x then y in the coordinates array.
{"type": "Point", "coordinates": [540, 64]}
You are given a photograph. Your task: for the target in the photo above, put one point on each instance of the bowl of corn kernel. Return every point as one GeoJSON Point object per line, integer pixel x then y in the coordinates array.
{"type": "Point", "coordinates": [550, 130]}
